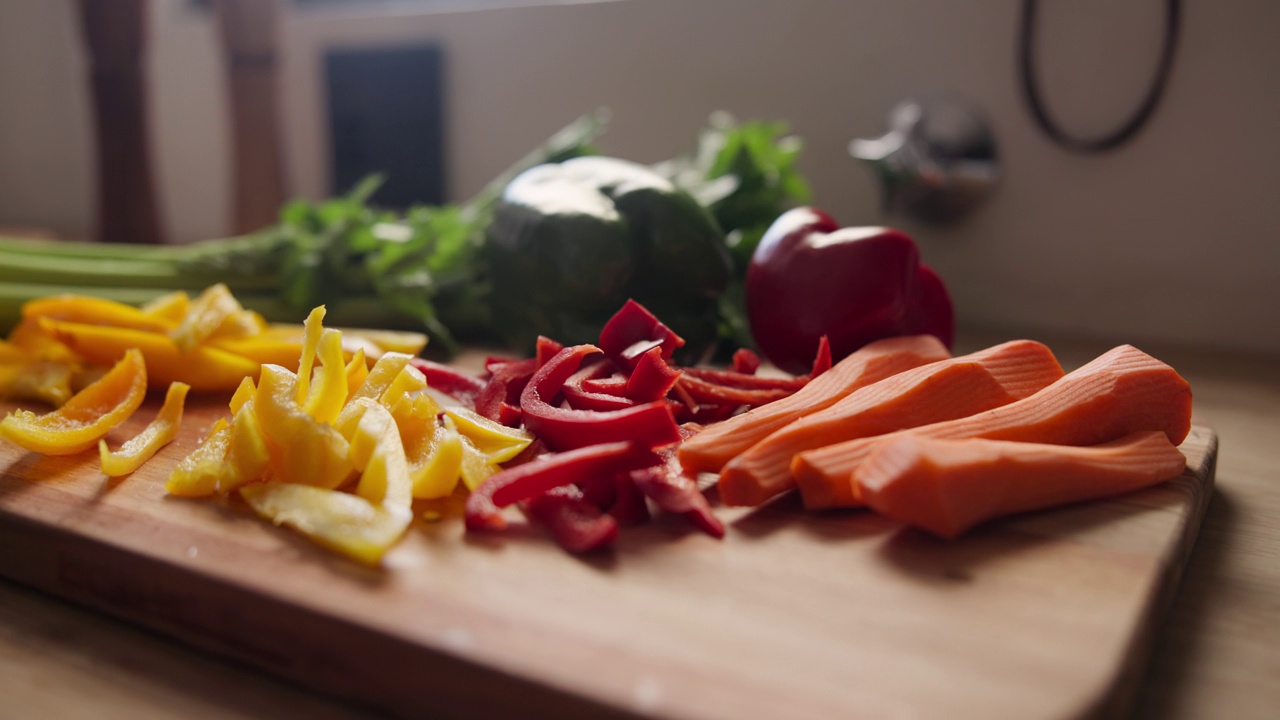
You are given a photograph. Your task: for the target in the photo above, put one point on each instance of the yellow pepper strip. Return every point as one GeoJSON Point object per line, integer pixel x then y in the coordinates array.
{"type": "Point", "coordinates": [497, 442]}
{"type": "Point", "coordinates": [312, 329]}
{"type": "Point", "coordinates": [42, 380]}
{"type": "Point", "coordinates": [409, 343]}
{"type": "Point", "coordinates": [328, 392]}
{"type": "Point", "coordinates": [205, 316]}
{"type": "Point", "coordinates": [248, 456]}
{"type": "Point", "coordinates": [439, 475]}
{"type": "Point", "coordinates": [340, 521]}
{"type": "Point", "coordinates": [262, 350]}
{"type": "Point", "coordinates": [199, 473]}
{"type": "Point", "coordinates": [384, 372]}
{"type": "Point", "coordinates": [170, 307]}
{"type": "Point", "coordinates": [304, 450]}
{"type": "Point", "coordinates": [416, 416]}
{"type": "Point", "coordinates": [376, 451]}
{"type": "Point", "coordinates": [86, 416]}
{"type": "Point", "coordinates": [94, 311]}
{"type": "Point", "coordinates": [158, 433]}
{"type": "Point", "coordinates": [409, 381]}
{"type": "Point", "coordinates": [238, 325]}
{"type": "Point", "coordinates": [357, 371]}
{"type": "Point", "coordinates": [33, 340]}
{"type": "Point", "coordinates": [243, 394]}
{"type": "Point", "coordinates": [476, 467]}
{"type": "Point", "coordinates": [203, 368]}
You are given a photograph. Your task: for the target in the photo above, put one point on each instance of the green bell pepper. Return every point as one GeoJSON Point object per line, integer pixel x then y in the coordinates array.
{"type": "Point", "coordinates": [571, 242]}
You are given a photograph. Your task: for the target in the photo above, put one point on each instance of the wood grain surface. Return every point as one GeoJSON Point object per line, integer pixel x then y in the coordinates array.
{"type": "Point", "coordinates": [791, 615]}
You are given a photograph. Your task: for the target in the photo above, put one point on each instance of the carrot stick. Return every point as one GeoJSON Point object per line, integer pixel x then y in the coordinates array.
{"type": "Point", "coordinates": [1121, 392]}
{"type": "Point", "coordinates": [710, 449]}
{"type": "Point", "coordinates": [942, 390]}
{"type": "Point", "coordinates": [948, 486]}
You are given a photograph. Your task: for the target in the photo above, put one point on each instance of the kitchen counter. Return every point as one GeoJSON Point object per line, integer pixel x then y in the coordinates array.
{"type": "Point", "coordinates": [1214, 655]}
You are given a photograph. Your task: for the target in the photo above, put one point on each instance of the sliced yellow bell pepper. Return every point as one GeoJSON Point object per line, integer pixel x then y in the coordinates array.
{"type": "Point", "coordinates": [309, 452]}
{"type": "Point", "coordinates": [245, 392]}
{"type": "Point", "coordinates": [86, 416]}
{"type": "Point", "coordinates": [312, 329]}
{"type": "Point", "coordinates": [384, 372]}
{"type": "Point", "coordinates": [248, 456]}
{"type": "Point", "coordinates": [497, 442]}
{"type": "Point", "coordinates": [438, 475]}
{"type": "Point", "coordinates": [340, 521]}
{"type": "Point", "coordinates": [158, 433]}
{"type": "Point", "coordinates": [170, 307]}
{"type": "Point", "coordinates": [204, 368]}
{"type": "Point", "coordinates": [476, 467]}
{"type": "Point", "coordinates": [377, 452]}
{"type": "Point", "coordinates": [260, 349]}
{"type": "Point", "coordinates": [199, 473]}
{"type": "Point", "coordinates": [42, 380]}
{"type": "Point", "coordinates": [328, 391]}
{"type": "Point", "coordinates": [206, 315]}
{"type": "Point", "coordinates": [357, 371]}
{"type": "Point", "coordinates": [94, 311]}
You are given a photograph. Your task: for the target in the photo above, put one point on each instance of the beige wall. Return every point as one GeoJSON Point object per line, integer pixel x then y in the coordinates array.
{"type": "Point", "coordinates": [1171, 239]}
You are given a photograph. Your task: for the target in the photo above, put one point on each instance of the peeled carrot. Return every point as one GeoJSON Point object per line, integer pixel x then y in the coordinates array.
{"type": "Point", "coordinates": [942, 390]}
{"type": "Point", "coordinates": [710, 449]}
{"type": "Point", "coordinates": [948, 486]}
{"type": "Point", "coordinates": [1121, 392]}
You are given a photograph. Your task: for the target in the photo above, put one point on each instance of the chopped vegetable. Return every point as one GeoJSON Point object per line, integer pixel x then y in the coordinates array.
{"type": "Point", "coordinates": [809, 278]}
{"type": "Point", "coordinates": [710, 449]}
{"type": "Point", "coordinates": [942, 390]}
{"type": "Point", "coordinates": [141, 447]}
{"type": "Point", "coordinates": [949, 486]}
{"type": "Point", "coordinates": [1123, 391]}
{"type": "Point", "coordinates": [84, 418]}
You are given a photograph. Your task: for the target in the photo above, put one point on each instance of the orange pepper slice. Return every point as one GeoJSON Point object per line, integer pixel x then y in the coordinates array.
{"type": "Point", "coordinates": [86, 416]}
{"type": "Point", "coordinates": [143, 446]}
{"type": "Point", "coordinates": [207, 314]}
{"type": "Point", "coordinates": [94, 311]}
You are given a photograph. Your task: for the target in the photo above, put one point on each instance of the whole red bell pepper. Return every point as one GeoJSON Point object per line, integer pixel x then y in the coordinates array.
{"type": "Point", "coordinates": [809, 277]}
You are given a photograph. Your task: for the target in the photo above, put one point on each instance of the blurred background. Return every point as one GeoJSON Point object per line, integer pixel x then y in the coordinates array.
{"type": "Point", "coordinates": [1171, 238]}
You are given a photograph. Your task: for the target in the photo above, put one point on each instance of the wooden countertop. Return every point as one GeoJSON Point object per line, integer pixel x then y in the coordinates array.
{"type": "Point", "coordinates": [1215, 655]}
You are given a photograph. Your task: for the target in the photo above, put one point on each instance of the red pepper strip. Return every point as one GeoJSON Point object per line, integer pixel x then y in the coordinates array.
{"type": "Point", "coordinates": [651, 424]}
{"type": "Point", "coordinates": [577, 524]}
{"type": "Point", "coordinates": [579, 398]}
{"type": "Point", "coordinates": [667, 485]}
{"type": "Point", "coordinates": [458, 385]}
{"type": "Point", "coordinates": [633, 331]}
{"type": "Point", "coordinates": [707, 414]}
{"type": "Point", "coordinates": [546, 349]}
{"type": "Point", "coordinates": [629, 506]}
{"type": "Point", "coordinates": [531, 479]}
{"type": "Point", "coordinates": [729, 378]}
{"type": "Point", "coordinates": [612, 385]}
{"type": "Point", "coordinates": [712, 393]}
{"type": "Point", "coordinates": [745, 361]}
{"type": "Point", "coordinates": [652, 378]}
{"type": "Point", "coordinates": [822, 362]}
{"type": "Point", "coordinates": [504, 387]}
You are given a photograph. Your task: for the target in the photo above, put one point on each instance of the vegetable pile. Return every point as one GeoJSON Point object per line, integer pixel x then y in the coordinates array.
{"type": "Point", "coordinates": [429, 269]}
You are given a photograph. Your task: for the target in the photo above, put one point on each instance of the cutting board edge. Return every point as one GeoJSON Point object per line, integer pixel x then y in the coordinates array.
{"type": "Point", "coordinates": [1118, 698]}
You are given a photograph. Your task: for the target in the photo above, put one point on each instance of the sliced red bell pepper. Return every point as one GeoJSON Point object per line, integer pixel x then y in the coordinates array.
{"type": "Point", "coordinates": [633, 331]}
{"type": "Point", "coordinates": [534, 478]}
{"type": "Point", "coordinates": [506, 382]}
{"type": "Point", "coordinates": [580, 397]}
{"type": "Point", "coordinates": [629, 506]}
{"type": "Point", "coordinates": [577, 524]}
{"type": "Point", "coordinates": [745, 361]}
{"type": "Point", "coordinates": [730, 378]}
{"type": "Point", "coordinates": [613, 385]}
{"type": "Point", "coordinates": [821, 361]}
{"type": "Point", "coordinates": [652, 378]}
{"type": "Point", "coordinates": [546, 349]}
{"type": "Point", "coordinates": [711, 393]}
{"type": "Point", "coordinates": [650, 424]}
{"type": "Point", "coordinates": [672, 490]}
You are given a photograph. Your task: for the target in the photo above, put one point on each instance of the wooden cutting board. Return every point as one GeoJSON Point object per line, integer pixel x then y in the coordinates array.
{"type": "Point", "coordinates": [792, 615]}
